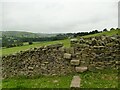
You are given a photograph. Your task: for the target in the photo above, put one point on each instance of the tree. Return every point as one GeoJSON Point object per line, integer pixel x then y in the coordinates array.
{"type": "Point", "coordinates": [30, 42]}
{"type": "Point", "coordinates": [105, 30]}
{"type": "Point", "coordinates": [112, 29]}
{"type": "Point", "coordinates": [96, 31]}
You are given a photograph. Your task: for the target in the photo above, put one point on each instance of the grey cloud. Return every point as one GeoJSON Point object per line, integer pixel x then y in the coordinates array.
{"type": "Point", "coordinates": [57, 16]}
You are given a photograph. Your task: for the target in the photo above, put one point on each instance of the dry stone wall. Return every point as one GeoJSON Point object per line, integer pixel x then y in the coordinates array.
{"type": "Point", "coordinates": [84, 54]}
{"type": "Point", "coordinates": [97, 52]}
{"type": "Point", "coordinates": [46, 60]}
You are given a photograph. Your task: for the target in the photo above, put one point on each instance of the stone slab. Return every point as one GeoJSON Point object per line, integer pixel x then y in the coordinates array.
{"type": "Point", "coordinates": [75, 62]}
{"type": "Point", "coordinates": [67, 56]}
{"type": "Point", "coordinates": [81, 69]}
{"type": "Point", "coordinates": [75, 83]}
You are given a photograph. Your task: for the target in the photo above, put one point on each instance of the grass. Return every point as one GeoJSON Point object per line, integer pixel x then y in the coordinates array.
{"type": "Point", "coordinates": [108, 33]}
{"type": "Point", "coordinates": [7, 51]}
{"type": "Point", "coordinates": [41, 82]}
{"type": "Point", "coordinates": [101, 79]}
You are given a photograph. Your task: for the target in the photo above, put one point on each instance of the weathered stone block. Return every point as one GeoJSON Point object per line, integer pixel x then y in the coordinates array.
{"type": "Point", "coordinates": [62, 49]}
{"type": "Point", "coordinates": [81, 69]}
{"type": "Point", "coordinates": [75, 83]}
{"type": "Point", "coordinates": [75, 62]}
{"type": "Point", "coordinates": [94, 41]}
{"type": "Point", "coordinates": [99, 68]}
{"type": "Point", "coordinates": [98, 47]}
{"type": "Point", "coordinates": [81, 41]}
{"type": "Point", "coordinates": [30, 68]}
{"type": "Point", "coordinates": [67, 50]}
{"type": "Point", "coordinates": [72, 51]}
{"type": "Point", "coordinates": [74, 40]}
{"type": "Point", "coordinates": [67, 56]}
{"type": "Point", "coordinates": [46, 62]}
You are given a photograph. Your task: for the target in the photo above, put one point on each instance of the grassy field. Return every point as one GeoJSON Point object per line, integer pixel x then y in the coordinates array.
{"type": "Point", "coordinates": [108, 33]}
{"type": "Point", "coordinates": [100, 79]}
{"type": "Point", "coordinates": [12, 50]}
{"type": "Point", "coordinates": [66, 42]}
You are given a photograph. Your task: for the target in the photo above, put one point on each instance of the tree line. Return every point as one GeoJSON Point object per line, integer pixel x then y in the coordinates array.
{"type": "Point", "coordinates": [18, 41]}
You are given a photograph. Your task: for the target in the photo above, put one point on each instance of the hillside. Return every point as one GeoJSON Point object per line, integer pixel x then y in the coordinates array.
{"type": "Point", "coordinates": [12, 50]}
{"type": "Point", "coordinates": [24, 34]}
{"type": "Point", "coordinates": [53, 62]}
{"type": "Point", "coordinates": [108, 33]}
{"type": "Point", "coordinates": [66, 42]}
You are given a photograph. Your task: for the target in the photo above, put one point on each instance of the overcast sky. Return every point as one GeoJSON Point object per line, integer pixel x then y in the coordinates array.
{"type": "Point", "coordinates": [59, 16]}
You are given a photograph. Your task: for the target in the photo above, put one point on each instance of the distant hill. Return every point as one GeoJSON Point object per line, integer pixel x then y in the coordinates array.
{"type": "Point", "coordinates": [24, 34]}
{"type": "Point", "coordinates": [108, 33]}
{"type": "Point", "coordinates": [18, 38]}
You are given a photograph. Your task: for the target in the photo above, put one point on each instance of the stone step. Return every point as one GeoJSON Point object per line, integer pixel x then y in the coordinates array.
{"type": "Point", "coordinates": [67, 56]}
{"type": "Point", "coordinates": [75, 83]}
{"type": "Point", "coordinates": [81, 69]}
{"type": "Point", "coordinates": [75, 62]}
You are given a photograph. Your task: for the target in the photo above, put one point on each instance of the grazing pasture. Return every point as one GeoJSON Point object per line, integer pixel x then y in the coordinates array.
{"type": "Point", "coordinates": [98, 79]}
{"type": "Point", "coordinates": [107, 78]}
{"type": "Point", "coordinates": [108, 33]}
{"type": "Point", "coordinates": [7, 51]}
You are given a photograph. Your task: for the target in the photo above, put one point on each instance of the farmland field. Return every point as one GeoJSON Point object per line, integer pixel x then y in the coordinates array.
{"type": "Point", "coordinates": [108, 33]}
{"type": "Point", "coordinates": [12, 50]}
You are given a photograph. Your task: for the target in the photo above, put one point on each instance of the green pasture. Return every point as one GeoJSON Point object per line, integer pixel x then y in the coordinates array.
{"type": "Point", "coordinates": [101, 79]}
{"type": "Point", "coordinates": [108, 33]}
{"type": "Point", "coordinates": [7, 51]}
{"type": "Point", "coordinates": [66, 42]}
